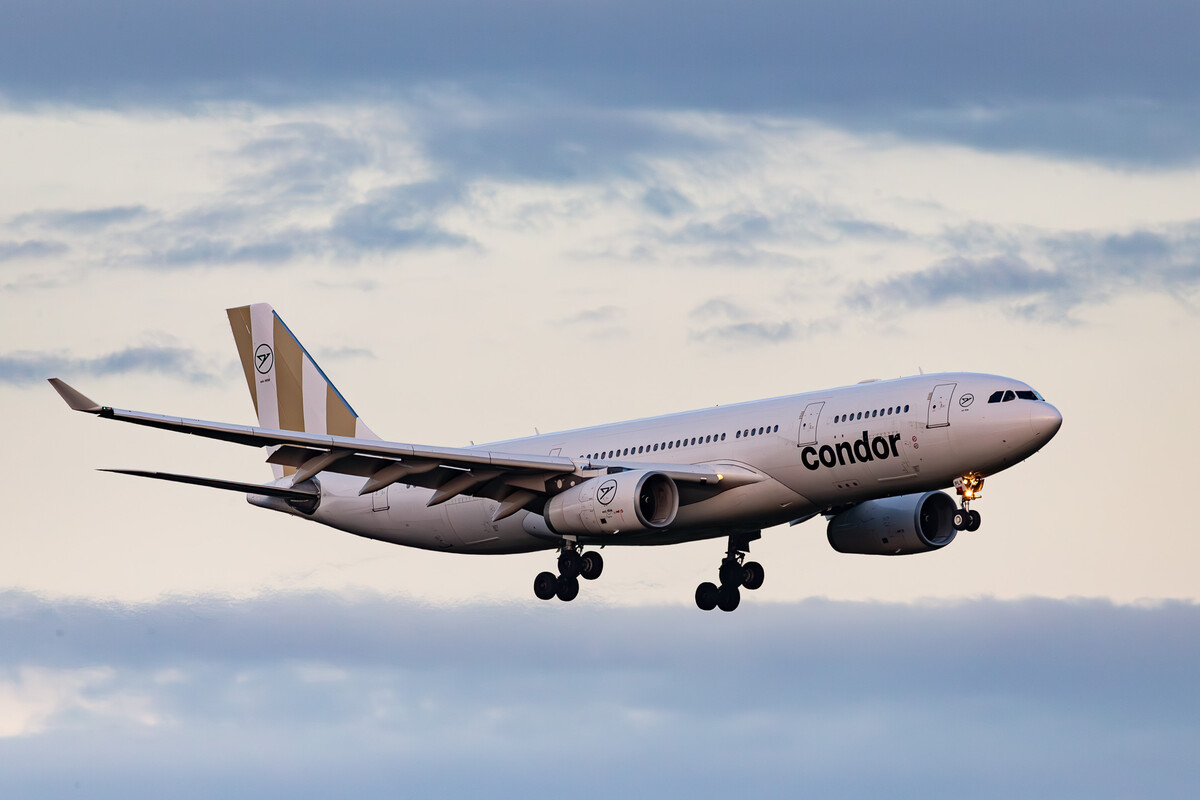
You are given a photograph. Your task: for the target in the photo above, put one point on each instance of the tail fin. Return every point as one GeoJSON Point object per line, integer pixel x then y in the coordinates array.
{"type": "Point", "coordinates": [289, 390]}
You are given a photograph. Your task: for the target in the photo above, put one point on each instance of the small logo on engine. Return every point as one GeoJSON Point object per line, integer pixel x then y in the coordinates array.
{"type": "Point", "coordinates": [264, 359]}
{"type": "Point", "coordinates": [606, 492]}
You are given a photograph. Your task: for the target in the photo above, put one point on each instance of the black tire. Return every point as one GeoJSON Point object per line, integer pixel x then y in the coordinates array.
{"type": "Point", "coordinates": [706, 596]}
{"type": "Point", "coordinates": [961, 520]}
{"type": "Point", "coordinates": [728, 597]}
{"type": "Point", "coordinates": [730, 573]}
{"type": "Point", "coordinates": [590, 566]}
{"type": "Point", "coordinates": [975, 521]}
{"type": "Point", "coordinates": [545, 585]}
{"type": "Point", "coordinates": [568, 564]}
{"type": "Point", "coordinates": [568, 588]}
{"type": "Point", "coordinates": [753, 575]}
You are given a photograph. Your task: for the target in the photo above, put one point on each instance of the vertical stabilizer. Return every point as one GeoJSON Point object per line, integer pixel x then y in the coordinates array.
{"type": "Point", "coordinates": [289, 390]}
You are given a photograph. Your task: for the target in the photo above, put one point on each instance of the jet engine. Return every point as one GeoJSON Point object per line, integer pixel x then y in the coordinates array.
{"type": "Point", "coordinates": [895, 526]}
{"type": "Point", "coordinates": [637, 500]}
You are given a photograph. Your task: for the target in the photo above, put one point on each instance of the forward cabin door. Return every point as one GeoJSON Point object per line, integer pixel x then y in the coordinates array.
{"type": "Point", "coordinates": [808, 424]}
{"type": "Point", "coordinates": [939, 405]}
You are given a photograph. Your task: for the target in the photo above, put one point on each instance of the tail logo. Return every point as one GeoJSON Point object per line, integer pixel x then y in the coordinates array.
{"type": "Point", "coordinates": [264, 359]}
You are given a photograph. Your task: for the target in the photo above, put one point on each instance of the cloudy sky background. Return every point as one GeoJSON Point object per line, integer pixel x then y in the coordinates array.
{"type": "Point", "coordinates": [481, 218]}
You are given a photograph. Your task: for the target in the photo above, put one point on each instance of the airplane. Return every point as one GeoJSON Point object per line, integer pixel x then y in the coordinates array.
{"type": "Point", "coordinates": [873, 458]}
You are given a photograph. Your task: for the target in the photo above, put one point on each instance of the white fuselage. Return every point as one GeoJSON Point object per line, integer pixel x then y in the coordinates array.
{"type": "Point", "coordinates": [813, 452]}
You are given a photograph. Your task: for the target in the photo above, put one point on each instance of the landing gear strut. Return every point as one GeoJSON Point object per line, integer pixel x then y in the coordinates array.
{"type": "Point", "coordinates": [735, 573]}
{"type": "Point", "coordinates": [573, 564]}
{"type": "Point", "coordinates": [969, 487]}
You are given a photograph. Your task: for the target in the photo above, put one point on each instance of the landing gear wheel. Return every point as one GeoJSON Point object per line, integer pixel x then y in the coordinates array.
{"type": "Point", "coordinates": [568, 563]}
{"type": "Point", "coordinates": [974, 521]}
{"type": "Point", "coordinates": [728, 597]}
{"type": "Point", "coordinates": [590, 566]}
{"type": "Point", "coordinates": [706, 596]}
{"type": "Point", "coordinates": [568, 588]}
{"type": "Point", "coordinates": [545, 585]}
{"type": "Point", "coordinates": [752, 575]}
{"type": "Point", "coordinates": [962, 518]}
{"type": "Point", "coordinates": [731, 572]}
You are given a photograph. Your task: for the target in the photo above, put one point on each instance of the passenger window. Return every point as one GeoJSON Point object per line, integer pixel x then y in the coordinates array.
{"type": "Point", "coordinates": [889, 412]}
{"type": "Point", "coordinates": [737, 435]}
{"type": "Point", "coordinates": [760, 430]}
{"type": "Point", "coordinates": [722, 437]}
{"type": "Point", "coordinates": [656, 448]}
{"type": "Point", "coordinates": [776, 429]}
{"type": "Point", "coordinates": [906, 409]}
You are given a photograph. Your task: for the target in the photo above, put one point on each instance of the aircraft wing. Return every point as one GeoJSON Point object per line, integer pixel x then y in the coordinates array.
{"type": "Point", "coordinates": [515, 480]}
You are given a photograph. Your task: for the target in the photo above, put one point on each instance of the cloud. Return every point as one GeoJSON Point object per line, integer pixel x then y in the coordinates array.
{"type": "Point", "coordinates": [399, 218]}
{"type": "Point", "coordinates": [303, 159]}
{"type": "Point", "coordinates": [1018, 75]}
{"type": "Point", "coordinates": [1073, 270]}
{"type": "Point", "coordinates": [84, 221]}
{"type": "Point", "coordinates": [30, 248]}
{"type": "Point", "coordinates": [301, 694]}
{"type": "Point", "coordinates": [727, 323]}
{"type": "Point", "coordinates": [22, 368]}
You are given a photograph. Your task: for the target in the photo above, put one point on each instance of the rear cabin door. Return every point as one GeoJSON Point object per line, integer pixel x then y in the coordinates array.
{"type": "Point", "coordinates": [939, 405]}
{"type": "Point", "coordinates": [808, 424]}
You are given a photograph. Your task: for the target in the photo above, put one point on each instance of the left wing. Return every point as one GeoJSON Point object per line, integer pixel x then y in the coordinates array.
{"type": "Point", "coordinates": [516, 481]}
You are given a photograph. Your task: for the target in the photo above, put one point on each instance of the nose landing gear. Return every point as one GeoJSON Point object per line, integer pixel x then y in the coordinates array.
{"type": "Point", "coordinates": [969, 487]}
{"type": "Point", "coordinates": [735, 574]}
{"type": "Point", "coordinates": [573, 564]}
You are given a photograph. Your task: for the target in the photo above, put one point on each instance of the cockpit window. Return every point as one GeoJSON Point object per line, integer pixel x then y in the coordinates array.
{"type": "Point", "coordinates": [1003, 396]}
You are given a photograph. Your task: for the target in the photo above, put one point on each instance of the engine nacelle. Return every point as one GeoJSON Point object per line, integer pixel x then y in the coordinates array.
{"type": "Point", "coordinates": [638, 500]}
{"type": "Point", "coordinates": [895, 526]}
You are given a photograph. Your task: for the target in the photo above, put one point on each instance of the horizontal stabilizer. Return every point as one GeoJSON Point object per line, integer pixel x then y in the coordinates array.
{"type": "Point", "coordinates": [234, 486]}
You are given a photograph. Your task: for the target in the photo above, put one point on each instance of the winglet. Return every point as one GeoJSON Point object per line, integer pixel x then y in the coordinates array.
{"type": "Point", "coordinates": [74, 398]}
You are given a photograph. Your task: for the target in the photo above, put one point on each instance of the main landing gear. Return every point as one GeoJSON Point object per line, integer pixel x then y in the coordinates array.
{"type": "Point", "coordinates": [573, 564]}
{"type": "Point", "coordinates": [735, 574]}
{"type": "Point", "coordinates": [969, 487]}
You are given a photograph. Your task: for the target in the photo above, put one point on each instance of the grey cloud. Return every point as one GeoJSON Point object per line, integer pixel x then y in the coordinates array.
{"type": "Point", "coordinates": [303, 159]}
{"type": "Point", "coordinates": [961, 279]}
{"type": "Point", "coordinates": [215, 251]}
{"type": "Point", "coordinates": [549, 140]}
{"type": "Point", "coordinates": [595, 316]}
{"type": "Point", "coordinates": [727, 323]}
{"type": "Point", "coordinates": [1021, 75]}
{"type": "Point", "coordinates": [82, 221]}
{"type": "Point", "coordinates": [666, 202]}
{"type": "Point", "coordinates": [21, 368]}
{"type": "Point", "coordinates": [740, 332]}
{"type": "Point", "coordinates": [1081, 268]}
{"type": "Point", "coordinates": [30, 248]}
{"type": "Point", "coordinates": [717, 307]}
{"type": "Point", "coordinates": [400, 218]}
{"type": "Point", "coordinates": [303, 695]}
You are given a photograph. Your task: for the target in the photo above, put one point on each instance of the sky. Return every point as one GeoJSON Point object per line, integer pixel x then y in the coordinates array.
{"type": "Point", "coordinates": [488, 219]}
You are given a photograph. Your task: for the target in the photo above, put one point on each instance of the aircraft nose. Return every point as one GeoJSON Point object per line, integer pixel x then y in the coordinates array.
{"type": "Point", "coordinates": [1045, 420]}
